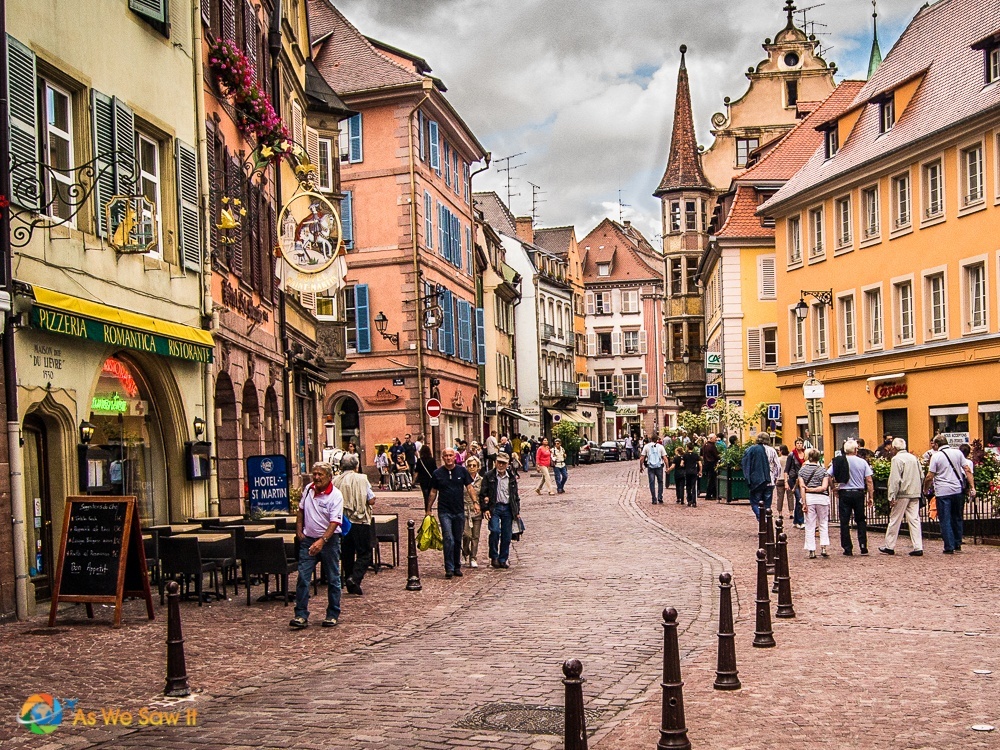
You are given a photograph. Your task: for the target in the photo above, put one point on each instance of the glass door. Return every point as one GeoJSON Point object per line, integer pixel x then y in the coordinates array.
{"type": "Point", "coordinates": [36, 487]}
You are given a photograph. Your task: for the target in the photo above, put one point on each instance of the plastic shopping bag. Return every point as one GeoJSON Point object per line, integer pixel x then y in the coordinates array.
{"type": "Point", "coordinates": [429, 536]}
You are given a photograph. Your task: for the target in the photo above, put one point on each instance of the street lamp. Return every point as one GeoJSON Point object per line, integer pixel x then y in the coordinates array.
{"type": "Point", "coordinates": [381, 322]}
{"type": "Point", "coordinates": [199, 427]}
{"type": "Point", "coordinates": [802, 309]}
{"type": "Point", "coordinates": [86, 432]}
{"type": "Point", "coordinates": [686, 357]}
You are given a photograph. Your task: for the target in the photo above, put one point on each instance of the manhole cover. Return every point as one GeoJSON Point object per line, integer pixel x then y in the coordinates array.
{"type": "Point", "coordinates": [519, 717]}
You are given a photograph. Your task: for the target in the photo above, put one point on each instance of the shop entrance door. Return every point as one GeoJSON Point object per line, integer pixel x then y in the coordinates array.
{"type": "Point", "coordinates": [894, 423]}
{"type": "Point", "coordinates": [36, 486]}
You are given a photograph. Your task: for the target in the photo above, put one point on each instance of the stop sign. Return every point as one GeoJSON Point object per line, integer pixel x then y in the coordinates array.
{"type": "Point", "coordinates": [433, 407]}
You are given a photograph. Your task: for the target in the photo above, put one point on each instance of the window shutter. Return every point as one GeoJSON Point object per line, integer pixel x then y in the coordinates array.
{"type": "Point", "coordinates": [447, 164]}
{"type": "Point", "coordinates": [206, 12]}
{"type": "Point", "coordinates": [229, 20]}
{"type": "Point", "coordinates": [152, 10]}
{"type": "Point", "coordinates": [23, 109]}
{"type": "Point", "coordinates": [643, 384]}
{"type": "Point", "coordinates": [428, 221]}
{"type": "Point", "coordinates": [308, 300]}
{"type": "Point", "coordinates": [606, 298]}
{"type": "Point", "coordinates": [251, 37]}
{"type": "Point", "coordinates": [297, 123]}
{"type": "Point", "coordinates": [435, 146]}
{"type": "Point", "coordinates": [442, 232]}
{"type": "Point", "coordinates": [616, 343]}
{"type": "Point", "coordinates": [270, 266]}
{"type": "Point", "coordinates": [480, 336]}
{"type": "Point", "coordinates": [347, 218]}
{"type": "Point", "coordinates": [618, 385]}
{"type": "Point", "coordinates": [355, 152]}
{"type": "Point", "coordinates": [312, 146]}
{"type": "Point", "coordinates": [616, 301]}
{"type": "Point", "coordinates": [188, 220]}
{"type": "Point", "coordinates": [103, 136]}
{"type": "Point", "coordinates": [591, 343]}
{"type": "Point", "coordinates": [422, 136]}
{"type": "Point", "coordinates": [361, 314]}
{"type": "Point", "coordinates": [464, 330]}
{"type": "Point", "coordinates": [456, 242]}
{"type": "Point", "coordinates": [468, 250]}
{"type": "Point", "coordinates": [446, 333]}
{"type": "Point", "coordinates": [234, 190]}
{"type": "Point", "coordinates": [643, 346]}
{"type": "Point", "coordinates": [213, 188]}
{"type": "Point", "coordinates": [126, 165]}
{"type": "Point", "coordinates": [589, 302]}
{"type": "Point", "coordinates": [767, 288]}
{"type": "Point", "coordinates": [753, 349]}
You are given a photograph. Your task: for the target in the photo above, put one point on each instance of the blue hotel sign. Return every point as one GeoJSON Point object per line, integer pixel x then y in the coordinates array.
{"type": "Point", "coordinates": [267, 478]}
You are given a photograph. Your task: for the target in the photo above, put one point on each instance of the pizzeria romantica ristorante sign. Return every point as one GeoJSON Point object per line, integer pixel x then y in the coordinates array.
{"type": "Point", "coordinates": [68, 324]}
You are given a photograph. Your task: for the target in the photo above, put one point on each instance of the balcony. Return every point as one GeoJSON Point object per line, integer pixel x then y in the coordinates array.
{"type": "Point", "coordinates": [548, 332]}
{"type": "Point", "coordinates": [560, 389]}
{"type": "Point", "coordinates": [332, 346]}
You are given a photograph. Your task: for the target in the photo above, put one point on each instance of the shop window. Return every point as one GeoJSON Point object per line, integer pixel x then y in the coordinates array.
{"type": "Point", "coordinates": [845, 427]}
{"type": "Point", "coordinates": [951, 421]}
{"type": "Point", "coordinates": [990, 424]}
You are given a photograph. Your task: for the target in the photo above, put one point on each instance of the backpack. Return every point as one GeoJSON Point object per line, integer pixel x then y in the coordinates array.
{"type": "Point", "coordinates": [841, 469]}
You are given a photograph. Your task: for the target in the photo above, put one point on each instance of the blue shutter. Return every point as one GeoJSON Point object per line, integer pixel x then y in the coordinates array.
{"type": "Point", "coordinates": [480, 336]}
{"type": "Point", "coordinates": [421, 136]}
{"type": "Point", "coordinates": [347, 218]}
{"type": "Point", "coordinates": [429, 290]}
{"type": "Point", "coordinates": [361, 314]}
{"type": "Point", "coordinates": [447, 164]}
{"type": "Point", "coordinates": [465, 330]}
{"type": "Point", "coordinates": [449, 316]}
{"type": "Point", "coordinates": [355, 153]}
{"type": "Point", "coordinates": [442, 237]}
{"type": "Point", "coordinates": [23, 111]}
{"type": "Point", "coordinates": [428, 221]}
{"type": "Point", "coordinates": [468, 250]}
{"type": "Point", "coordinates": [456, 242]}
{"type": "Point", "coordinates": [432, 135]}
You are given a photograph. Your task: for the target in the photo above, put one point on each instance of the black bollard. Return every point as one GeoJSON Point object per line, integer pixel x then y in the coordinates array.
{"type": "Point", "coordinates": [763, 636]}
{"type": "Point", "coordinates": [412, 569]}
{"type": "Point", "coordinates": [784, 580]}
{"type": "Point", "coordinates": [673, 733]}
{"type": "Point", "coordinates": [779, 526]}
{"type": "Point", "coordinates": [726, 674]}
{"type": "Point", "coordinates": [177, 681]}
{"type": "Point", "coordinates": [762, 529]}
{"type": "Point", "coordinates": [575, 735]}
{"type": "Point", "coordinates": [769, 541]}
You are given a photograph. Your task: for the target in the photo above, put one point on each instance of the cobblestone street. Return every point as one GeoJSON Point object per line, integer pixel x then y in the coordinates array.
{"type": "Point", "coordinates": [880, 655]}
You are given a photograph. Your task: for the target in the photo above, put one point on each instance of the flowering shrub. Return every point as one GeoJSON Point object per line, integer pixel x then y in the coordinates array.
{"type": "Point", "coordinates": [986, 473]}
{"type": "Point", "coordinates": [254, 114]}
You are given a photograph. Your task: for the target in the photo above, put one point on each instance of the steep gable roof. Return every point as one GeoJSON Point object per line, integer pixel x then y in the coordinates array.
{"type": "Point", "coordinates": [495, 213]}
{"type": "Point", "coordinates": [611, 242]}
{"type": "Point", "coordinates": [556, 240]}
{"type": "Point", "coordinates": [742, 221]}
{"type": "Point", "coordinates": [684, 164]}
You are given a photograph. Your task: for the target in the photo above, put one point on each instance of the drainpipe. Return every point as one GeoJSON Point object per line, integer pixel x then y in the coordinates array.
{"type": "Point", "coordinates": [18, 512]}
{"type": "Point", "coordinates": [480, 298]}
{"type": "Point", "coordinates": [208, 392]}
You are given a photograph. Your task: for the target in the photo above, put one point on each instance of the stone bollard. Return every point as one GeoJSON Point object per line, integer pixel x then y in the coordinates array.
{"type": "Point", "coordinates": [769, 541]}
{"type": "Point", "coordinates": [673, 733]}
{"type": "Point", "coordinates": [177, 681]}
{"type": "Point", "coordinates": [763, 636]}
{"type": "Point", "coordinates": [779, 526]}
{"type": "Point", "coordinates": [784, 581]}
{"type": "Point", "coordinates": [575, 734]}
{"type": "Point", "coordinates": [726, 674]}
{"type": "Point", "coordinates": [412, 569]}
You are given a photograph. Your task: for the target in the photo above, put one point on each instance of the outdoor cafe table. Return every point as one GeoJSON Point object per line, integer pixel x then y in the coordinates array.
{"type": "Point", "coordinates": [256, 529]}
{"type": "Point", "coordinates": [291, 544]}
{"type": "Point", "coordinates": [179, 528]}
{"type": "Point", "coordinates": [206, 521]}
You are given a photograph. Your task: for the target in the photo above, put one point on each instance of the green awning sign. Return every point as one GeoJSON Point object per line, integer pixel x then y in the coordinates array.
{"type": "Point", "coordinates": [68, 324]}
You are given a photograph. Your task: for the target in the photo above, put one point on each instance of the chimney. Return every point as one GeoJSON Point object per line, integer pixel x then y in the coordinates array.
{"type": "Point", "coordinates": [525, 230]}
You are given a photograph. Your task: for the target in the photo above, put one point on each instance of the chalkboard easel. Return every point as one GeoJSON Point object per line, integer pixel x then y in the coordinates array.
{"type": "Point", "coordinates": [102, 558]}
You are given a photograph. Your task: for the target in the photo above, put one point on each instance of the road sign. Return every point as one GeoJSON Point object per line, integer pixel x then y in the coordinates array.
{"type": "Point", "coordinates": [713, 362]}
{"type": "Point", "coordinates": [433, 407]}
{"type": "Point", "coordinates": [774, 412]}
{"type": "Point", "coordinates": [435, 421]}
{"type": "Point", "coordinates": [267, 483]}
{"type": "Point", "coordinates": [711, 402]}
{"type": "Point", "coordinates": [813, 390]}
{"type": "Point", "coordinates": [712, 390]}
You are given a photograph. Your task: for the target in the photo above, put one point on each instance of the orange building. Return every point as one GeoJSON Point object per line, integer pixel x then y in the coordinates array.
{"type": "Point", "coordinates": [413, 330]}
{"type": "Point", "coordinates": [888, 266]}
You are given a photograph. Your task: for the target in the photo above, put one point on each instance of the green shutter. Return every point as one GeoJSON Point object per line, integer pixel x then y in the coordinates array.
{"type": "Point", "coordinates": [23, 108]}
{"type": "Point", "coordinates": [126, 165]}
{"type": "Point", "coordinates": [102, 128]}
{"type": "Point", "coordinates": [188, 219]}
{"type": "Point", "coordinates": [152, 10]}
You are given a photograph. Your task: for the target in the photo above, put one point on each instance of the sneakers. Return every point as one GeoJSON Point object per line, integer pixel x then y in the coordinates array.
{"type": "Point", "coordinates": [298, 623]}
{"type": "Point", "coordinates": [949, 552]}
{"type": "Point", "coordinates": [886, 551]}
{"type": "Point", "coordinates": [473, 563]}
{"type": "Point", "coordinates": [330, 622]}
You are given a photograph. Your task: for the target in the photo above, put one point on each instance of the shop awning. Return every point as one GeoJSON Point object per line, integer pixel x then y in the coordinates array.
{"type": "Point", "coordinates": [575, 417]}
{"type": "Point", "coordinates": [518, 415]}
{"type": "Point", "coordinates": [72, 316]}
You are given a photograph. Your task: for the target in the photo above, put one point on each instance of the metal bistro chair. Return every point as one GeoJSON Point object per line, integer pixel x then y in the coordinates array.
{"type": "Point", "coordinates": [239, 535]}
{"type": "Point", "coordinates": [151, 547]}
{"type": "Point", "coordinates": [180, 558]}
{"type": "Point", "coordinates": [265, 558]}
{"type": "Point", "coordinates": [225, 554]}
{"type": "Point", "coordinates": [385, 529]}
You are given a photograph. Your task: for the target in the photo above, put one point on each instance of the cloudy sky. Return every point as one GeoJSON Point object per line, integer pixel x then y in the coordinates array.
{"type": "Point", "coordinates": [585, 88]}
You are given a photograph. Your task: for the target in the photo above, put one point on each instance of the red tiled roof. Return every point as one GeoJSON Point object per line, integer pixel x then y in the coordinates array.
{"type": "Point", "coordinates": [556, 240]}
{"type": "Point", "coordinates": [684, 164]}
{"type": "Point", "coordinates": [610, 242]}
{"type": "Point", "coordinates": [495, 213]}
{"type": "Point", "coordinates": [742, 221]}
{"type": "Point", "coordinates": [938, 40]}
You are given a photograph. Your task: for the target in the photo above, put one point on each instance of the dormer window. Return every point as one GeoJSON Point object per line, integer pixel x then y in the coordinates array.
{"type": "Point", "coordinates": [886, 114]}
{"type": "Point", "coordinates": [603, 269]}
{"type": "Point", "coordinates": [831, 142]}
{"type": "Point", "coordinates": [993, 64]}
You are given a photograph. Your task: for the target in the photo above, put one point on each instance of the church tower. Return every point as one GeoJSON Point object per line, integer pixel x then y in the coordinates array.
{"type": "Point", "coordinates": [687, 201]}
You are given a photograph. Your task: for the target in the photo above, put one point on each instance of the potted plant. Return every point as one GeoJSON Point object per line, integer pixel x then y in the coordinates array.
{"type": "Point", "coordinates": [571, 441]}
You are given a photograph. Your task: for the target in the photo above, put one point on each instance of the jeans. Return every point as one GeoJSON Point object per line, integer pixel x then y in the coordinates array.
{"type": "Point", "coordinates": [711, 481]}
{"type": "Point", "coordinates": [501, 525]}
{"type": "Point", "coordinates": [848, 502]}
{"type": "Point", "coordinates": [691, 487]}
{"type": "Point", "coordinates": [949, 510]}
{"type": "Point", "coordinates": [330, 555]}
{"type": "Point", "coordinates": [452, 526]}
{"type": "Point", "coordinates": [357, 552]}
{"type": "Point", "coordinates": [761, 496]}
{"type": "Point", "coordinates": [655, 483]}
{"type": "Point", "coordinates": [561, 476]}
{"type": "Point", "coordinates": [799, 517]}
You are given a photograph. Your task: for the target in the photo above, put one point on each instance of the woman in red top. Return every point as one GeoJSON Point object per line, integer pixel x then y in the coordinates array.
{"type": "Point", "coordinates": [543, 460]}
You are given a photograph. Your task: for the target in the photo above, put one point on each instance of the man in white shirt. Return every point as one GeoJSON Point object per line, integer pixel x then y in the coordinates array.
{"type": "Point", "coordinates": [654, 457]}
{"type": "Point", "coordinates": [490, 449]}
{"type": "Point", "coordinates": [317, 527]}
{"type": "Point", "coordinates": [950, 474]}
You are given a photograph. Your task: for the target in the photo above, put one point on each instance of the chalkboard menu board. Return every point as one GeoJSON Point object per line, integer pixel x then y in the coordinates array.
{"type": "Point", "coordinates": [101, 559]}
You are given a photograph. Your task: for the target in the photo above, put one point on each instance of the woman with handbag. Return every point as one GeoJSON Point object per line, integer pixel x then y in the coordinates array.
{"type": "Point", "coordinates": [423, 472]}
{"type": "Point", "coordinates": [473, 515]}
{"type": "Point", "coordinates": [814, 484]}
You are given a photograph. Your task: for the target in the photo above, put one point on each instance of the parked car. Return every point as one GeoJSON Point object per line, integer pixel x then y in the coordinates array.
{"type": "Point", "coordinates": [590, 453]}
{"type": "Point", "coordinates": [612, 451]}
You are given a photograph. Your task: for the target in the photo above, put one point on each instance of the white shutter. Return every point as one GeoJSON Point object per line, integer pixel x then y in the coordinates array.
{"type": "Point", "coordinates": [616, 343]}
{"type": "Point", "coordinates": [618, 385]}
{"type": "Point", "coordinates": [308, 300]}
{"type": "Point", "coordinates": [766, 280]}
{"type": "Point", "coordinates": [644, 384]}
{"type": "Point", "coordinates": [312, 147]}
{"type": "Point", "coordinates": [591, 309]}
{"type": "Point", "coordinates": [606, 302]}
{"type": "Point", "coordinates": [591, 344]}
{"type": "Point", "coordinates": [753, 349]}
{"type": "Point", "coordinates": [616, 301]}
{"type": "Point", "coordinates": [296, 122]}
{"type": "Point", "coordinates": [643, 346]}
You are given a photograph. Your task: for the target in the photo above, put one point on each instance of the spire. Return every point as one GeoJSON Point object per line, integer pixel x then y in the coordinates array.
{"type": "Point", "coordinates": [684, 164]}
{"type": "Point", "coordinates": [789, 10]}
{"type": "Point", "coordinates": [876, 57]}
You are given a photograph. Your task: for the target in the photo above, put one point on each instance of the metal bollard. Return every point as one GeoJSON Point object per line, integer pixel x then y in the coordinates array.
{"type": "Point", "coordinates": [779, 526]}
{"type": "Point", "coordinates": [726, 674]}
{"type": "Point", "coordinates": [762, 529]}
{"type": "Point", "coordinates": [784, 580]}
{"type": "Point", "coordinates": [769, 541]}
{"type": "Point", "coordinates": [673, 733]}
{"type": "Point", "coordinates": [412, 569]}
{"type": "Point", "coordinates": [763, 636]}
{"type": "Point", "coordinates": [575, 734]}
{"type": "Point", "coordinates": [177, 681]}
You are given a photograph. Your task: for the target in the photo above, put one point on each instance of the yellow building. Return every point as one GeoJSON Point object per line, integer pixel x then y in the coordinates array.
{"type": "Point", "coordinates": [887, 244]}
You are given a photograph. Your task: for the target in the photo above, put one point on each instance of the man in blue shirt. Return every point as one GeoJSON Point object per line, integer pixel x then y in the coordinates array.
{"type": "Point", "coordinates": [451, 484]}
{"type": "Point", "coordinates": [855, 491]}
{"type": "Point", "coordinates": [756, 465]}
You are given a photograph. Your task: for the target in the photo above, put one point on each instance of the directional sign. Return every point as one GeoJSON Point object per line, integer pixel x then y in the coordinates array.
{"type": "Point", "coordinates": [433, 407]}
{"type": "Point", "coordinates": [774, 412]}
{"type": "Point", "coordinates": [712, 390]}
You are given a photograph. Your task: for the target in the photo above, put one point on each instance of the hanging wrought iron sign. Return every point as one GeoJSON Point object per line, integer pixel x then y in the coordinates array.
{"type": "Point", "coordinates": [311, 242]}
{"type": "Point", "coordinates": [131, 222]}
